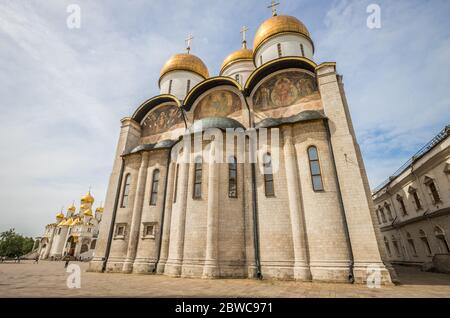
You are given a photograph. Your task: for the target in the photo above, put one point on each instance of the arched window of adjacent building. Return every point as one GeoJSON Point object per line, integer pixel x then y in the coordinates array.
{"type": "Point", "coordinates": [198, 178]}
{"type": "Point", "coordinates": [411, 243]}
{"type": "Point", "coordinates": [440, 236]}
{"type": "Point", "coordinates": [401, 203]}
{"type": "Point", "coordinates": [302, 50]}
{"type": "Point", "coordinates": [155, 185]}
{"type": "Point", "coordinates": [415, 196]}
{"type": "Point", "coordinates": [280, 52]}
{"type": "Point", "coordinates": [188, 86]}
{"type": "Point", "coordinates": [388, 247]}
{"type": "Point", "coordinates": [232, 178]}
{"type": "Point", "coordinates": [314, 166]}
{"type": "Point", "coordinates": [388, 211]}
{"type": "Point", "coordinates": [175, 191]}
{"type": "Point", "coordinates": [268, 175]}
{"type": "Point", "coordinates": [383, 216]}
{"type": "Point", "coordinates": [429, 182]}
{"type": "Point", "coordinates": [125, 191]}
{"type": "Point", "coordinates": [426, 244]}
{"type": "Point", "coordinates": [395, 243]}
{"type": "Point", "coordinates": [378, 216]}
{"type": "Point", "coordinates": [170, 86]}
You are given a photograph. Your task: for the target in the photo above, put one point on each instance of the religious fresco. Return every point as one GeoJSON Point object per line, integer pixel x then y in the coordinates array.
{"type": "Point", "coordinates": [219, 103]}
{"type": "Point", "coordinates": [284, 89]}
{"type": "Point", "coordinates": [162, 119]}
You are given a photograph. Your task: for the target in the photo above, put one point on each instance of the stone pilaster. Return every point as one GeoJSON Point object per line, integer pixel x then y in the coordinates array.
{"type": "Point", "coordinates": [301, 267]}
{"type": "Point", "coordinates": [165, 235]}
{"type": "Point", "coordinates": [133, 237]}
{"type": "Point", "coordinates": [211, 269]}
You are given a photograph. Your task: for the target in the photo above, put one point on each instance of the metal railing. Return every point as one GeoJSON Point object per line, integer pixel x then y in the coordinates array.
{"type": "Point", "coordinates": [425, 149]}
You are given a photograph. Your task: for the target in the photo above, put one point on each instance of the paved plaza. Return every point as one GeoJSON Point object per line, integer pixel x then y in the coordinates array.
{"type": "Point", "coordinates": [48, 279]}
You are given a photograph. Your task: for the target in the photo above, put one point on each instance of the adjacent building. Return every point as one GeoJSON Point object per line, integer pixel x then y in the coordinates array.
{"type": "Point", "coordinates": [413, 206]}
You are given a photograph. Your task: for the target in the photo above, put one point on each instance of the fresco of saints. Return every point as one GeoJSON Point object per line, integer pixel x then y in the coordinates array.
{"type": "Point", "coordinates": [305, 87]}
{"type": "Point", "coordinates": [284, 92]}
{"type": "Point", "coordinates": [217, 104]}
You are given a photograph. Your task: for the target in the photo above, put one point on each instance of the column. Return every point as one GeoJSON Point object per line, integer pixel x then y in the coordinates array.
{"type": "Point", "coordinates": [136, 214]}
{"type": "Point", "coordinates": [301, 267]}
{"type": "Point", "coordinates": [165, 235]}
{"type": "Point", "coordinates": [211, 268]}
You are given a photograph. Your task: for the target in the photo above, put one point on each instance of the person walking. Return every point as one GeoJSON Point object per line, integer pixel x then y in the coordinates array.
{"type": "Point", "coordinates": [36, 259]}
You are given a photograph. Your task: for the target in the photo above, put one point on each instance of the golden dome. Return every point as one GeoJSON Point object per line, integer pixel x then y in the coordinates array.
{"type": "Point", "coordinates": [88, 198]}
{"type": "Point", "coordinates": [240, 55]}
{"type": "Point", "coordinates": [99, 210]}
{"type": "Point", "coordinates": [72, 208]}
{"type": "Point", "coordinates": [60, 216]}
{"type": "Point", "coordinates": [185, 62]}
{"type": "Point", "coordinates": [279, 24]}
{"type": "Point", "coordinates": [88, 212]}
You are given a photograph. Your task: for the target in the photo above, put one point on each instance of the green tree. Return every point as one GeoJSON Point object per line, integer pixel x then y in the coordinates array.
{"type": "Point", "coordinates": [13, 244]}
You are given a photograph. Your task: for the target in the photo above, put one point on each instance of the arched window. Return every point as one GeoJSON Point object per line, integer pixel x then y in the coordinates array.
{"type": "Point", "coordinates": [394, 242]}
{"type": "Point", "coordinates": [411, 243]}
{"type": "Point", "coordinates": [188, 86]}
{"type": "Point", "coordinates": [402, 205]}
{"type": "Point", "coordinates": [426, 244]}
{"type": "Point", "coordinates": [388, 248]}
{"type": "Point", "coordinates": [175, 191]}
{"type": "Point", "coordinates": [440, 236]}
{"type": "Point", "coordinates": [170, 86]}
{"type": "Point", "coordinates": [268, 175]}
{"type": "Point", "coordinates": [314, 165]}
{"type": "Point", "coordinates": [378, 216]}
{"type": "Point", "coordinates": [416, 198]}
{"type": "Point", "coordinates": [433, 190]}
{"type": "Point", "coordinates": [280, 52]}
{"type": "Point", "coordinates": [302, 50]}
{"type": "Point", "coordinates": [155, 184]}
{"type": "Point", "coordinates": [232, 178]}
{"type": "Point", "coordinates": [388, 211]}
{"type": "Point", "coordinates": [383, 216]}
{"type": "Point", "coordinates": [198, 178]}
{"type": "Point", "coordinates": [125, 191]}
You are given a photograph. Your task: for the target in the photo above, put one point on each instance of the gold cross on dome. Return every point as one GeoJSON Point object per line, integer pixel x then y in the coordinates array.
{"type": "Point", "coordinates": [273, 6]}
{"type": "Point", "coordinates": [189, 42]}
{"type": "Point", "coordinates": [244, 36]}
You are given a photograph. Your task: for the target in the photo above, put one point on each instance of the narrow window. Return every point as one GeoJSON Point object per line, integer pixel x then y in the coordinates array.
{"type": "Point", "coordinates": [388, 248]}
{"type": "Point", "coordinates": [120, 230]}
{"type": "Point", "coordinates": [302, 50]}
{"type": "Point", "coordinates": [315, 169]}
{"type": "Point", "coordinates": [389, 212]}
{"type": "Point", "coordinates": [59, 231]}
{"type": "Point", "coordinates": [198, 178]}
{"type": "Point", "coordinates": [394, 242]}
{"type": "Point", "coordinates": [383, 216]}
{"type": "Point", "coordinates": [426, 244]}
{"type": "Point", "coordinates": [237, 77]}
{"type": "Point", "coordinates": [378, 216]}
{"type": "Point", "coordinates": [434, 192]}
{"type": "Point", "coordinates": [280, 53]}
{"type": "Point", "coordinates": [260, 60]}
{"type": "Point", "coordinates": [188, 86]}
{"type": "Point", "coordinates": [411, 243]}
{"type": "Point", "coordinates": [416, 198]}
{"type": "Point", "coordinates": [149, 230]}
{"type": "Point", "coordinates": [402, 205]}
{"type": "Point", "coordinates": [170, 86]}
{"type": "Point", "coordinates": [176, 184]}
{"type": "Point", "coordinates": [268, 175]}
{"type": "Point", "coordinates": [232, 178]}
{"type": "Point", "coordinates": [155, 184]}
{"type": "Point", "coordinates": [126, 191]}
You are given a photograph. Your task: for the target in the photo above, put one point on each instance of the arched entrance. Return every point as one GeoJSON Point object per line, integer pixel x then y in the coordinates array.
{"type": "Point", "coordinates": [71, 245]}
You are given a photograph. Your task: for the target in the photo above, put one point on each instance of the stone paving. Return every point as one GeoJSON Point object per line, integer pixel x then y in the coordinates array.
{"type": "Point", "coordinates": [48, 279]}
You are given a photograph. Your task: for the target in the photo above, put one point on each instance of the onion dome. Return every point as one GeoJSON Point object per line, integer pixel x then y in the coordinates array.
{"type": "Point", "coordinates": [185, 62]}
{"type": "Point", "coordinates": [243, 54]}
{"type": "Point", "coordinates": [100, 210]}
{"type": "Point", "coordinates": [60, 216]}
{"type": "Point", "coordinates": [276, 25]}
{"type": "Point", "coordinates": [72, 208]}
{"type": "Point", "coordinates": [88, 198]}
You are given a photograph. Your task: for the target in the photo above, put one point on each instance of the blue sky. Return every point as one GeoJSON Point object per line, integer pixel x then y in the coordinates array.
{"type": "Point", "coordinates": [63, 91]}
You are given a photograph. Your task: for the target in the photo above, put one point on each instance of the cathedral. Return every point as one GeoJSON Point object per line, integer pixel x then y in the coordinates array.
{"type": "Point", "coordinates": [301, 211]}
{"type": "Point", "coordinates": [74, 234]}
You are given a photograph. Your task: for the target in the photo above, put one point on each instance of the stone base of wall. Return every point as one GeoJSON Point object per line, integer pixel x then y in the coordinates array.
{"type": "Point", "coordinates": [96, 265]}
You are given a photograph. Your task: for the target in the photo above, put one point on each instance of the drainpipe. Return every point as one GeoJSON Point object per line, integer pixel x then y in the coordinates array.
{"type": "Point", "coordinates": [351, 276]}
{"type": "Point", "coordinates": [113, 221]}
{"type": "Point", "coordinates": [255, 223]}
{"type": "Point", "coordinates": [163, 209]}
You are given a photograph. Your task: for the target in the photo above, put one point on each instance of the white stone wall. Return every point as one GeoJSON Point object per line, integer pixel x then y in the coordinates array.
{"type": "Point", "coordinates": [179, 83]}
{"type": "Point", "coordinates": [241, 68]}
